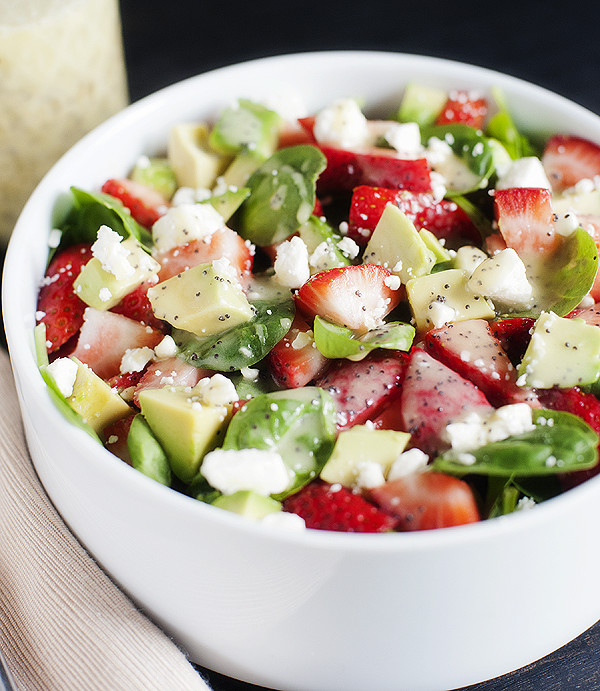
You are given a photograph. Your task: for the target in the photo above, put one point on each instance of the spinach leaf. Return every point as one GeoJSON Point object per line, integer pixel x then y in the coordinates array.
{"type": "Point", "coordinates": [502, 128]}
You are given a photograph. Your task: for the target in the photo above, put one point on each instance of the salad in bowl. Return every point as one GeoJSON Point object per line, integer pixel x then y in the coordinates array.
{"type": "Point", "coordinates": [392, 354]}
{"type": "Point", "coordinates": [339, 322]}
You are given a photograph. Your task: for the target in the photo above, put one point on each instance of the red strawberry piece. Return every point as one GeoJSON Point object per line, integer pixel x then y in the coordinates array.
{"type": "Point", "coordinates": [170, 371]}
{"type": "Point", "coordinates": [568, 159]}
{"type": "Point", "coordinates": [136, 305]}
{"type": "Point", "coordinates": [328, 507]}
{"type": "Point", "coordinates": [514, 334]}
{"type": "Point", "coordinates": [591, 315]}
{"type": "Point", "coordinates": [584, 405]}
{"type": "Point", "coordinates": [432, 396]}
{"type": "Point", "coordinates": [222, 243]}
{"type": "Point", "coordinates": [591, 223]}
{"type": "Point", "coordinates": [105, 337]}
{"type": "Point", "coordinates": [352, 296]}
{"type": "Point", "coordinates": [471, 349]}
{"type": "Point", "coordinates": [423, 501]}
{"type": "Point", "coordinates": [295, 360]}
{"type": "Point", "coordinates": [308, 124]}
{"type": "Point", "coordinates": [361, 389]}
{"type": "Point", "coordinates": [128, 380]}
{"type": "Point", "coordinates": [62, 309]}
{"type": "Point", "coordinates": [525, 220]}
{"type": "Point", "coordinates": [346, 169]}
{"type": "Point", "coordinates": [445, 219]}
{"type": "Point", "coordinates": [145, 204]}
{"type": "Point", "coordinates": [293, 134]}
{"type": "Point", "coordinates": [115, 438]}
{"type": "Point", "coordinates": [464, 108]}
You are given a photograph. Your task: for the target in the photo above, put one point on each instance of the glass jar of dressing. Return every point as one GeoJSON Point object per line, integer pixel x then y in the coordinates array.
{"type": "Point", "coordinates": [62, 72]}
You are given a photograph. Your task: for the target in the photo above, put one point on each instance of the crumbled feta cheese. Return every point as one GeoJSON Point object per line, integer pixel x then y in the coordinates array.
{"type": "Point", "coordinates": [104, 294]}
{"type": "Point", "coordinates": [184, 223]}
{"type": "Point", "coordinates": [392, 282]}
{"type": "Point", "coordinates": [284, 520]}
{"type": "Point", "coordinates": [341, 124]}
{"type": "Point", "coordinates": [113, 256]}
{"type": "Point", "coordinates": [39, 315]}
{"type": "Point", "coordinates": [503, 279]}
{"type": "Point", "coordinates": [249, 373]}
{"type": "Point", "coordinates": [408, 462]}
{"type": "Point", "coordinates": [525, 503]}
{"type": "Point", "coordinates": [291, 263]}
{"type": "Point", "coordinates": [54, 238]}
{"type": "Point", "coordinates": [468, 258]}
{"type": "Point", "coordinates": [348, 247]}
{"type": "Point", "coordinates": [454, 172]}
{"type": "Point", "coordinates": [216, 390]}
{"type": "Point", "coordinates": [439, 313]}
{"type": "Point", "coordinates": [259, 470]}
{"type": "Point", "coordinates": [223, 267]}
{"type": "Point", "coordinates": [135, 359]}
{"type": "Point", "coordinates": [566, 224]}
{"type": "Point", "coordinates": [166, 348]}
{"type": "Point", "coordinates": [190, 195]}
{"type": "Point", "coordinates": [405, 137]}
{"type": "Point", "coordinates": [369, 474]}
{"type": "Point", "coordinates": [64, 373]}
{"type": "Point", "coordinates": [524, 172]}
{"type": "Point", "coordinates": [438, 186]}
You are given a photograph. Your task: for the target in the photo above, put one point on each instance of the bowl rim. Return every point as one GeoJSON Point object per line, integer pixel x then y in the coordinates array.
{"type": "Point", "coordinates": [20, 343]}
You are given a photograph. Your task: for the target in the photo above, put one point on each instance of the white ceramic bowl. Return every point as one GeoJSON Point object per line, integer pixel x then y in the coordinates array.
{"type": "Point", "coordinates": [311, 610]}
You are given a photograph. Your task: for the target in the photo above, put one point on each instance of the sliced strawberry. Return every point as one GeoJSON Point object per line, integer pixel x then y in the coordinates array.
{"type": "Point", "coordinates": [471, 349]}
{"type": "Point", "coordinates": [62, 309]}
{"type": "Point", "coordinates": [352, 296]}
{"type": "Point", "coordinates": [128, 380]}
{"type": "Point", "coordinates": [136, 305]}
{"type": "Point", "coordinates": [308, 124]}
{"type": "Point", "coordinates": [423, 501]}
{"type": "Point", "coordinates": [464, 108]}
{"type": "Point", "coordinates": [347, 169]}
{"type": "Point", "coordinates": [445, 219]}
{"type": "Point", "coordinates": [324, 507]}
{"type": "Point", "coordinates": [222, 243]}
{"type": "Point", "coordinates": [584, 405]}
{"type": "Point", "coordinates": [171, 371]}
{"type": "Point", "coordinates": [361, 389]}
{"type": "Point", "coordinates": [568, 159]}
{"type": "Point", "coordinates": [432, 396]}
{"type": "Point", "coordinates": [145, 204]}
{"type": "Point", "coordinates": [293, 134]}
{"type": "Point", "coordinates": [104, 338]}
{"type": "Point", "coordinates": [591, 315]}
{"type": "Point", "coordinates": [525, 220]}
{"type": "Point", "coordinates": [115, 437]}
{"type": "Point", "coordinates": [514, 335]}
{"type": "Point", "coordinates": [295, 361]}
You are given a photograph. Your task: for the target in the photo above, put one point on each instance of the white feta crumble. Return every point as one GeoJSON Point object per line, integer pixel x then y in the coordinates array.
{"type": "Point", "coordinates": [249, 373]}
{"type": "Point", "coordinates": [524, 172]}
{"type": "Point", "coordinates": [405, 137]}
{"type": "Point", "coordinates": [566, 224]}
{"type": "Point", "coordinates": [190, 195]}
{"type": "Point", "coordinates": [341, 124]}
{"type": "Point", "coordinates": [455, 174]}
{"type": "Point", "coordinates": [54, 238]}
{"type": "Point", "coordinates": [135, 359]}
{"type": "Point", "coordinates": [525, 503]}
{"type": "Point", "coordinates": [184, 223]}
{"type": "Point", "coordinates": [111, 254]}
{"type": "Point", "coordinates": [217, 390]}
{"type": "Point", "coordinates": [291, 263]}
{"type": "Point", "coordinates": [104, 294]}
{"type": "Point", "coordinates": [224, 267]}
{"type": "Point", "coordinates": [439, 313]}
{"type": "Point", "coordinates": [166, 348]}
{"type": "Point", "coordinates": [39, 315]}
{"type": "Point", "coordinates": [369, 474]}
{"type": "Point", "coordinates": [64, 372]}
{"type": "Point", "coordinates": [284, 520]}
{"type": "Point", "coordinates": [348, 247]}
{"type": "Point", "coordinates": [468, 257]}
{"type": "Point", "coordinates": [408, 462]}
{"type": "Point", "coordinates": [258, 470]}
{"type": "Point", "coordinates": [503, 279]}
{"type": "Point", "coordinates": [438, 186]}
{"type": "Point", "coordinates": [392, 282]}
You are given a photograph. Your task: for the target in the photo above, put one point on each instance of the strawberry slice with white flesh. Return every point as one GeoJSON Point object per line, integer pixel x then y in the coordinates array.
{"type": "Point", "coordinates": [567, 159]}
{"type": "Point", "coordinates": [465, 108]}
{"type": "Point", "coordinates": [105, 337]}
{"type": "Point", "coordinates": [346, 169]}
{"type": "Point", "coordinates": [358, 297]}
{"type": "Point", "coordinates": [432, 396]}
{"type": "Point", "coordinates": [361, 389]}
{"type": "Point", "coordinates": [169, 371]}
{"type": "Point", "coordinates": [295, 360]}
{"type": "Point", "coordinates": [146, 205]}
{"type": "Point", "coordinates": [525, 220]}
{"type": "Point", "coordinates": [471, 349]}
{"type": "Point", "coordinates": [444, 218]}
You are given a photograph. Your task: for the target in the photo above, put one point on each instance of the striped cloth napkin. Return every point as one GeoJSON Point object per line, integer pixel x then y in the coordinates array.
{"type": "Point", "coordinates": [63, 623]}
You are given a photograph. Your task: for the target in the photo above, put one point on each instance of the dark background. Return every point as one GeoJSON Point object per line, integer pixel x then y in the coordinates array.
{"type": "Point", "coordinates": [555, 46]}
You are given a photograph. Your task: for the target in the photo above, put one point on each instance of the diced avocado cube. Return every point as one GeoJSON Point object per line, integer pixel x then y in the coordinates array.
{"type": "Point", "coordinates": [445, 297]}
{"type": "Point", "coordinates": [562, 352]}
{"type": "Point", "coordinates": [241, 168]}
{"type": "Point", "coordinates": [156, 173]}
{"type": "Point", "coordinates": [96, 402]}
{"type": "Point", "coordinates": [228, 202]}
{"type": "Point", "coordinates": [361, 445]}
{"type": "Point", "coordinates": [204, 300]}
{"type": "Point", "coordinates": [584, 202]}
{"type": "Point", "coordinates": [397, 245]}
{"type": "Point", "coordinates": [246, 126]}
{"type": "Point", "coordinates": [147, 455]}
{"type": "Point", "coordinates": [102, 289]}
{"type": "Point", "coordinates": [421, 104]}
{"type": "Point", "coordinates": [185, 427]}
{"type": "Point", "coordinates": [432, 243]}
{"type": "Point", "coordinates": [468, 257]}
{"type": "Point", "coordinates": [194, 163]}
{"type": "Point", "coordinates": [248, 503]}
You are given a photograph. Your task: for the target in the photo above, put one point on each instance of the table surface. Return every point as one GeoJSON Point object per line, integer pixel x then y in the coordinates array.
{"type": "Point", "coordinates": [555, 48]}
